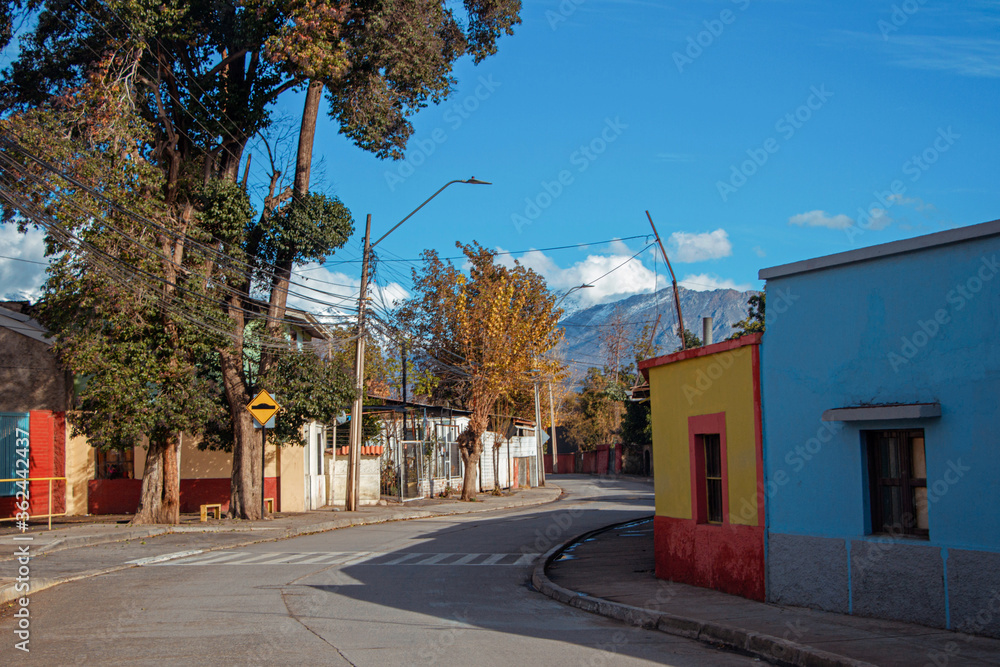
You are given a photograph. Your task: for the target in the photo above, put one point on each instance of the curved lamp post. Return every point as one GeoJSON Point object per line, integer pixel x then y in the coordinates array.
{"type": "Point", "coordinates": [354, 456]}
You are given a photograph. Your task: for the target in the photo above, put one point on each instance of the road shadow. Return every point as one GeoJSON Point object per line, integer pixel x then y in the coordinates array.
{"type": "Point", "coordinates": [447, 574]}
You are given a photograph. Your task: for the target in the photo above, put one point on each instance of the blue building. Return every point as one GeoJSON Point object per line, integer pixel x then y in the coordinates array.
{"type": "Point", "coordinates": [881, 382]}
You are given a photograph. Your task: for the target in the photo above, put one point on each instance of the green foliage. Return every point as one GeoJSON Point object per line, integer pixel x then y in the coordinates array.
{"type": "Point", "coordinates": [754, 322]}
{"type": "Point", "coordinates": [380, 61]}
{"type": "Point", "coordinates": [690, 341]}
{"type": "Point", "coordinates": [137, 384]}
{"type": "Point", "coordinates": [226, 211]}
{"type": "Point", "coordinates": [594, 415]}
{"type": "Point", "coordinates": [637, 427]}
{"type": "Point", "coordinates": [308, 389]}
{"type": "Point", "coordinates": [306, 230]}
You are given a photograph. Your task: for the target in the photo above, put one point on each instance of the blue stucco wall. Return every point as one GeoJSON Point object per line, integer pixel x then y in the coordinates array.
{"type": "Point", "coordinates": [837, 337]}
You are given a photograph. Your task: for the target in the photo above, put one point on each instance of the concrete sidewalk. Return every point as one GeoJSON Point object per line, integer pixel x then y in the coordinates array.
{"type": "Point", "coordinates": [82, 532]}
{"type": "Point", "coordinates": [611, 572]}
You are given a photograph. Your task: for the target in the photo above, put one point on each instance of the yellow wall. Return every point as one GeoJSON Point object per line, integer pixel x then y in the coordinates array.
{"type": "Point", "coordinates": [721, 382]}
{"type": "Point", "coordinates": [207, 464]}
{"type": "Point", "coordinates": [291, 463]}
{"type": "Point", "coordinates": [80, 465]}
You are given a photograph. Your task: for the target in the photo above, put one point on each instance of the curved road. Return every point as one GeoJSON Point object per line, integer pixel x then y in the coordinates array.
{"type": "Point", "coordinates": [452, 590]}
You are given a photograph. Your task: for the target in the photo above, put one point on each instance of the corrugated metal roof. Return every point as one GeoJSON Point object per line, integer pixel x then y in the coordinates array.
{"type": "Point", "coordinates": [24, 325]}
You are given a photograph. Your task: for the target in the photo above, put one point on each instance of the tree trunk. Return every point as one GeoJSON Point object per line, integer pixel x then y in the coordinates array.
{"type": "Point", "coordinates": [471, 459]}
{"type": "Point", "coordinates": [245, 483]}
{"type": "Point", "coordinates": [245, 492]}
{"type": "Point", "coordinates": [307, 134]}
{"type": "Point", "coordinates": [497, 443]}
{"type": "Point", "coordinates": [160, 499]}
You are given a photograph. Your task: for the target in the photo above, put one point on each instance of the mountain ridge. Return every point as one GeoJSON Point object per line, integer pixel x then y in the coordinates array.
{"type": "Point", "coordinates": [583, 328]}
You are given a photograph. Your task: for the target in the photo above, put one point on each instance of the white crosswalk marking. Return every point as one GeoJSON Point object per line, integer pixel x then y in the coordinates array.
{"type": "Point", "coordinates": [346, 558]}
{"type": "Point", "coordinates": [211, 558]}
{"type": "Point", "coordinates": [436, 558]}
{"type": "Point", "coordinates": [466, 559]}
{"type": "Point", "coordinates": [397, 561]}
{"type": "Point", "coordinates": [526, 559]}
{"type": "Point", "coordinates": [317, 559]}
{"type": "Point", "coordinates": [493, 560]}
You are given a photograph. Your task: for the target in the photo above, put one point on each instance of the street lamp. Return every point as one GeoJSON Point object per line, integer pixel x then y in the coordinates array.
{"type": "Point", "coordinates": [552, 407]}
{"type": "Point", "coordinates": [570, 291]}
{"type": "Point", "coordinates": [354, 455]}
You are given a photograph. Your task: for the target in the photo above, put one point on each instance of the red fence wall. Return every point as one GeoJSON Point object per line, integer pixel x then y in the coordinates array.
{"type": "Point", "coordinates": [121, 496]}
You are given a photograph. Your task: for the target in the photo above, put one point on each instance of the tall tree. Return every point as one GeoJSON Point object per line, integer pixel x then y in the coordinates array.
{"type": "Point", "coordinates": [483, 333]}
{"type": "Point", "coordinates": [754, 322]}
{"type": "Point", "coordinates": [204, 76]}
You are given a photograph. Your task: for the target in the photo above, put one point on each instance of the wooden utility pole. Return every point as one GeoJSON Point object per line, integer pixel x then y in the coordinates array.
{"type": "Point", "coordinates": [673, 279]}
{"type": "Point", "coordinates": [354, 454]}
{"type": "Point", "coordinates": [555, 449]}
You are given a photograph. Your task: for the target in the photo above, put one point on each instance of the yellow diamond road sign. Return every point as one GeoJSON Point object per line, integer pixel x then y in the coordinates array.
{"type": "Point", "coordinates": [263, 407]}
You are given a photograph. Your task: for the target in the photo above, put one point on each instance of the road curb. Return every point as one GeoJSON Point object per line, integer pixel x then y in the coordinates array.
{"type": "Point", "coordinates": [766, 647]}
{"type": "Point", "coordinates": [8, 592]}
{"type": "Point", "coordinates": [74, 542]}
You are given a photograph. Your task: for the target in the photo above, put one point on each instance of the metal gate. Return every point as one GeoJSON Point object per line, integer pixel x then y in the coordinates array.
{"type": "Point", "coordinates": [13, 446]}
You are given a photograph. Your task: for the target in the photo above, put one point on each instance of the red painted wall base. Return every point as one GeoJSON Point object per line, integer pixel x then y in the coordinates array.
{"type": "Point", "coordinates": [121, 496]}
{"type": "Point", "coordinates": [728, 558]}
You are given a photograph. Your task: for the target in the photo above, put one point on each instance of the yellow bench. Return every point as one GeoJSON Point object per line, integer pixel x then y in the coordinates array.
{"type": "Point", "coordinates": [269, 505]}
{"type": "Point", "coordinates": [216, 509]}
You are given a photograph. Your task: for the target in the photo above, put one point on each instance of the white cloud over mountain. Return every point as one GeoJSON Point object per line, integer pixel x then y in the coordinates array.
{"type": "Point", "coordinates": [687, 247]}
{"type": "Point", "coordinates": [703, 282]}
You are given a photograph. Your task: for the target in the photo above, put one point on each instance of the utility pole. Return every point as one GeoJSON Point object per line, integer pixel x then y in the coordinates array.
{"type": "Point", "coordinates": [403, 355]}
{"type": "Point", "coordinates": [673, 278]}
{"type": "Point", "coordinates": [555, 450]}
{"type": "Point", "coordinates": [354, 458]}
{"type": "Point", "coordinates": [354, 454]}
{"type": "Point", "coordinates": [538, 439]}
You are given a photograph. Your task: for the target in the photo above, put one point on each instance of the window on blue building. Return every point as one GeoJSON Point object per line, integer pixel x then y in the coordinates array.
{"type": "Point", "coordinates": [897, 477]}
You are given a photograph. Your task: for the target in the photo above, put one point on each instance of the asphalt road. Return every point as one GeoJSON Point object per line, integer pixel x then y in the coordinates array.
{"type": "Point", "coordinates": [452, 590]}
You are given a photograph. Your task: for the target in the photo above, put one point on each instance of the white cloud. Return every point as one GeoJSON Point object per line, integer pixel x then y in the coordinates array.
{"type": "Point", "coordinates": [318, 290]}
{"type": "Point", "coordinates": [20, 276]}
{"type": "Point", "coordinates": [759, 251]}
{"type": "Point", "coordinates": [614, 275]}
{"type": "Point", "coordinates": [915, 202]}
{"type": "Point", "coordinates": [878, 219]}
{"type": "Point", "coordinates": [703, 282]}
{"type": "Point", "coordinates": [967, 56]}
{"type": "Point", "coordinates": [687, 248]}
{"type": "Point", "coordinates": [821, 219]}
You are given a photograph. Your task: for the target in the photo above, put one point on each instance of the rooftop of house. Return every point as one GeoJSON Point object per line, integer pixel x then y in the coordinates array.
{"type": "Point", "coordinates": [13, 319]}
{"type": "Point", "coordinates": [917, 243]}
{"type": "Point", "coordinates": [694, 352]}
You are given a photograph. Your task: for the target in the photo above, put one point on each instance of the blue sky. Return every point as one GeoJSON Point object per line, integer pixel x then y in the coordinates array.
{"type": "Point", "coordinates": [755, 132]}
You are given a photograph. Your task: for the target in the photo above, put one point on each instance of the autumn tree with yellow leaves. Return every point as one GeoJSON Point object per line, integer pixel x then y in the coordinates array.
{"type": "Point", "coordinates": [482, 332]}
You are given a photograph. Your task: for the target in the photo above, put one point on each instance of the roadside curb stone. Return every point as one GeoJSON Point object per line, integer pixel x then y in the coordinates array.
{"type": "Point", "coordinates": [8, 592]}
{"type": "Point", "coordinates": [773, 649]}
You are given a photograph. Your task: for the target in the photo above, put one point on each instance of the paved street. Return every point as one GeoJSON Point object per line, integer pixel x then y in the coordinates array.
{"type": "Point", "coordinates": [430, 591]}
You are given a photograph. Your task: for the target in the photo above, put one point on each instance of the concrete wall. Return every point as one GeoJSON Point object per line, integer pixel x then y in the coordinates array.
{"type": "Point", "coordinates": [906, 328]}
{"type": "Point", "coordinates": [708, 390]}
{"type": "Point", "coordinates": [289, 465]}
{"type": "Point", "coordinates": [370, 480]}
{"type": "Point", "coordinates": [30, 376]}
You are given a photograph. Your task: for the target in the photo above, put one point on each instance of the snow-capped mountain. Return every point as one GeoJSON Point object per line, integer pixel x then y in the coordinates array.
{"type": "Point", "coordinates": [583, 328]}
